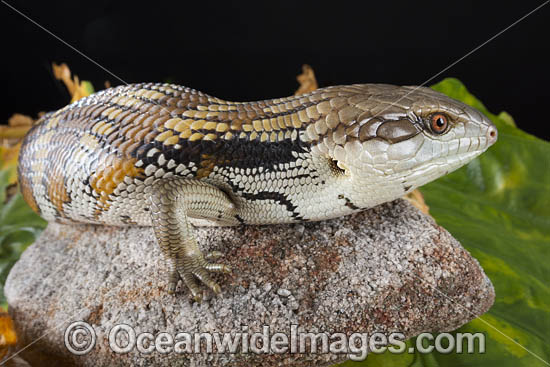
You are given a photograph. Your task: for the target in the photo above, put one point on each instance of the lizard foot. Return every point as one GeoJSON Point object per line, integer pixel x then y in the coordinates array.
{"type": "Point", "coordinates": [194, 270]}
{"type": "Point", "coordinates": [172, 201]}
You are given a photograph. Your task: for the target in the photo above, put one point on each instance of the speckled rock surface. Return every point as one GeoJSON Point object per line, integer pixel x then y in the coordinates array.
{"type": "Point", "coordinates": [370, 272]}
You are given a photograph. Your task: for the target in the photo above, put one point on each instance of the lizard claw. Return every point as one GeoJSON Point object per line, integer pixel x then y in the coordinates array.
{"type": "Point", "coordinates": [196, 268]}
{"type": "Point", "coordinates": [213, 255]}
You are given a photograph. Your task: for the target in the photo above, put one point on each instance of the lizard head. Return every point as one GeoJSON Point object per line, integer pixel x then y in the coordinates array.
{"type": "Point", "coordinates": [396, 139]}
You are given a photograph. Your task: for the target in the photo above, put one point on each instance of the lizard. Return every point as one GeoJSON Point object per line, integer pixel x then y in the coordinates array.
{"type": "Point", "coordinates": [171, 157]}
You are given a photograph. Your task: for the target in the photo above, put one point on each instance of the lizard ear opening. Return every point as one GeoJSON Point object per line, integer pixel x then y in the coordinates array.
{"type": "Point", "coordinates": [336, 167]}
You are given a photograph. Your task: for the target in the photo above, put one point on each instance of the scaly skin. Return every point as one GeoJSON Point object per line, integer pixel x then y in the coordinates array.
{"type": "Point", "coordinates": [172, 157]}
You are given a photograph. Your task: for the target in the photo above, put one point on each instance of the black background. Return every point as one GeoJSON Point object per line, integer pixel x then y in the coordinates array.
{"type": "Point", "coordinates": [254, 50]}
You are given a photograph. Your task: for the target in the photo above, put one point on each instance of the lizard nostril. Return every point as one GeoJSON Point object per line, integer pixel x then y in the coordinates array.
{"type": "Point", "coordinates": [492, 134]}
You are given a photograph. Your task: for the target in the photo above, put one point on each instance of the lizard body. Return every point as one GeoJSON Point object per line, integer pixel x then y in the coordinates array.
{"type": "Point", "coordinates": [172, 157]}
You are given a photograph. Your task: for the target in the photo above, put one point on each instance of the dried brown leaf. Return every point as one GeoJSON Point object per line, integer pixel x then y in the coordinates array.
{"type": "Point", "coordinates": [417, 200]}
{"type": "Point", "coordinates": [13, 132]}
{"type": "Point", "coordinates": [8, 160]}
{"type": "Point", "coordinates": [307, 80]}
{"type": "Point", "coordinates": [63, 73]}
{"type": "Point", "coordinates": [77, 89]}
{"type": "Point", "coordinates": [8, 337]}
{"type": "Point", "coordinates": [18, 119]}
{"type": "Point", "coordinates": [17, 127]}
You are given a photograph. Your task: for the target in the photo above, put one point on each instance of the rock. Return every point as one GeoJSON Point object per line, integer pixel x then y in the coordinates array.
{"type": "Point", "coordinates": [388, 269]}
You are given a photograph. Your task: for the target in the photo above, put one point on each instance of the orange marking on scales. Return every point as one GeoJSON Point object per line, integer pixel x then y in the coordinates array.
{"type": "Point", "coordinates": [207, 164]}
{"type": "Point", "coordinates": [110, 175]}
{"type": "Point", "coordinates": [26, 190]}
{"type": "Point", "coordinates": [57, 193]}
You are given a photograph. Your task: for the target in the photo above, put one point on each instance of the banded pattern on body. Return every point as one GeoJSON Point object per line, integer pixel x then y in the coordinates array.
{"type": "Point", "coordinates": [316, 156]}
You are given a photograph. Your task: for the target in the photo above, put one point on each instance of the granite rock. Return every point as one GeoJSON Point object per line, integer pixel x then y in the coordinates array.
{"type": "Point", "coordinates": [387, 269]}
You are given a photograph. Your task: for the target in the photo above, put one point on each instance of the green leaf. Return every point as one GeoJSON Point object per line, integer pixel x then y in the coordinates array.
{"type": "Point", "coordinates": [19, 227]}
{"type": "Point", "coordinates": [498, 207]}
{"type": "Point", "coordinates": [87, 87]}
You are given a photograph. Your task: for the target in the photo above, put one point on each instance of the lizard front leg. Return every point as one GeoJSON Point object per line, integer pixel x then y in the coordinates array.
{"type": "Point", "coordinates": [173, 201]}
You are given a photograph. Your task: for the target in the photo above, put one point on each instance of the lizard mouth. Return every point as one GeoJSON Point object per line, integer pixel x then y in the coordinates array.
{"type": "Point", "coordinates": [434, 169]}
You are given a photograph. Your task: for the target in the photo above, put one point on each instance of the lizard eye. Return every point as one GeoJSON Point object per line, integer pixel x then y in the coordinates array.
{"type": "Point", "coordinates": [439, 123]}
